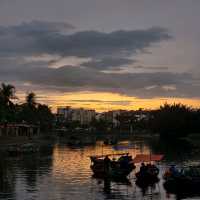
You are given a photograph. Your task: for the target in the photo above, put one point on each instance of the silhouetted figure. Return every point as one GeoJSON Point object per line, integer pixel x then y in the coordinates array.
{"type": "Point", "coordinates": [143, 169]}
{"type": "Point", "coordinates": [174, 171]}
{"type": "Point", "coordinates": [107, 162]}
{"type": "Point", "coordinates": [124, 161]}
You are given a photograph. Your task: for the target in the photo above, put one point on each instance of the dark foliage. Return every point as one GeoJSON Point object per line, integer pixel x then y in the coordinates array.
{"type": "Point", "coordinates": [30, 112]}
{"type": "Point", "coordinates": [175, 120]}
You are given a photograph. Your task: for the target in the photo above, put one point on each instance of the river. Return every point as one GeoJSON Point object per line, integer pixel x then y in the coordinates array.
{"type": "Point", "coordinates": [63, 172]}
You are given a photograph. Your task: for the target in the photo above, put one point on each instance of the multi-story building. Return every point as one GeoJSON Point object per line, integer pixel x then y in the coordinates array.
{"type": "Point", "coordinates": [65, 112]}
{"type": "Point", "coordinates": [111, 117]}
{"type": "Point", "coordinates": [81, 115]}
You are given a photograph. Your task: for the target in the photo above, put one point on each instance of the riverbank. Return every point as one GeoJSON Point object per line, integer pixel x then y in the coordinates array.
{"type": "Point", "coordinates": [40, 142]}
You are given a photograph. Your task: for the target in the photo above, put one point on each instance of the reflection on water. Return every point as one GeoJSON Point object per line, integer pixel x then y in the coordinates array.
{"type": "Point", "coordinates": [64, 173]}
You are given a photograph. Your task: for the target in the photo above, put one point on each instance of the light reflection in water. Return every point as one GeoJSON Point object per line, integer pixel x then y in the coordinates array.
{"type": "Point", "coordinates": [64, 174]}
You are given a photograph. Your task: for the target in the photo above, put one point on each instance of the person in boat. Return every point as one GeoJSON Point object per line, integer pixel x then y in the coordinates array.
{"type": "Point", "coordinates": [174, 171]}
{"type": "Point", "coordinates": [107, 163]}
{"type": "Point", "coordinates": [143, 169]}
{"type": "Point", "coordinates": [124, 161]}
{"type": "Point", "coordinates": [152, 169]}
{"type": "Point", "coordinates": [113, 163]}
{"type": "Point", "coordinates": [148, 170]}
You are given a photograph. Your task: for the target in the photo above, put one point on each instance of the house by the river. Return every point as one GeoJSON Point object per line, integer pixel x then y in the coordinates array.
{"type": "Point", "coordinates": [19, 130]}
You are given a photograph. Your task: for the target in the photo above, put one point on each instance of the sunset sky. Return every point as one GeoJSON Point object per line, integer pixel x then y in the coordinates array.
{"type": "Point", "coordinates": [102, 54]}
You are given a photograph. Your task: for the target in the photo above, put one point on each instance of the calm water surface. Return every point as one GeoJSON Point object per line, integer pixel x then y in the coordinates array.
{"type": "Point", "coordinates": [63, 173]}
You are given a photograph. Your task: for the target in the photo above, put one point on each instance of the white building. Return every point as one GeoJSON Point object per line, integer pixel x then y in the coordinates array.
{"type": "Point", "coordinates": [81, 115]}
{"type": "Point", "coordinates": [65, 112]}
{"type": "Point", "coordinates": [111, 116]}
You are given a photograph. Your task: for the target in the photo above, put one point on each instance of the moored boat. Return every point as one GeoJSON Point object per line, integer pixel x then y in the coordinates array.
{"type": "Point", "coordinates": [148, 174]}
{"type": "Point", "coordinates": [104, 167]}
{"type": "Point", "coordinates": [183, 181]}
{"type": "Point", "coordinates": [147, 177]}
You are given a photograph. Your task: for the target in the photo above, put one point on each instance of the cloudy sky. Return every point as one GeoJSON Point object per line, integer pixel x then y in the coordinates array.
{"type": "Point", "coordinates": [102, 54]}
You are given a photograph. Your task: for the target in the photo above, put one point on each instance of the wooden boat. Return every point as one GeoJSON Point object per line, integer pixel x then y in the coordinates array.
{"type": "Point", "coordinates": [149, 175]}
{"type": "Point", "coordinates": [184, 181]}
{"type": "Point", "coordinates": [116, 169]}
{"type": "Point", "coordinates": [148, 178]}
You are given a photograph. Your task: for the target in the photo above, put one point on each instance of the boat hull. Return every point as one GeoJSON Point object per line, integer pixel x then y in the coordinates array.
{"type": "Point", "coordinates": [182, 185]}
{"type": "Point", "coordinates": [146, 180]}
{"type": "Point", "coordinates": [112, 172]}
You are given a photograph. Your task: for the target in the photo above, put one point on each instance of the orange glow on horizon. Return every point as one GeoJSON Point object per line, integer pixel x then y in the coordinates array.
{"type": "Point", "coordinates": [104, 101]}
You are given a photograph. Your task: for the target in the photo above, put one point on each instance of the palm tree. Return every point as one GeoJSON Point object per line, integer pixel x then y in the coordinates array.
{"type": "Point", "coordinates": [31, 99]}
{"type": "Point", "coordinates": [7, 92]}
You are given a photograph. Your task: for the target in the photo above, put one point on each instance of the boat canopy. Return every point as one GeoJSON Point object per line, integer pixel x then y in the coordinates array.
{"type": "Point", "coordinates": [122, 147]}
{"type": "Point", "coordinates": [147, 158]}
{"type": "Point", "coordinates": [104, 155]}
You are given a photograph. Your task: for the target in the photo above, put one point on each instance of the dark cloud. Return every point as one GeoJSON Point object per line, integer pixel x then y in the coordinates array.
{"type": "Point", "coordinates": [46, 38]}
{"type": "Point", "coordinates": [108, 63]}
{"type": "Point", "coordinates": [102, 101]}
{"type": "Point", "coordinates": [35, 28]}
{"type": "Point", "coordinates": [70, 78]}
{"type": "Point", "coordinates": [106, 50]}
{"type": "Point", "coordinates": [156, 68]}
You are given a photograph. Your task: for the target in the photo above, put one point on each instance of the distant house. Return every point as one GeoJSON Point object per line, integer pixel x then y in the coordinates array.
{"type": "Point", "coordinates": [19, 130]}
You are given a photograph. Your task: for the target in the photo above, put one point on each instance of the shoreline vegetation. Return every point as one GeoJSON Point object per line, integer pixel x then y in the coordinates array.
{"type": "Point", "coordinates": [29, 112]}
{"type": "Point", "coordinates": [169, 121]}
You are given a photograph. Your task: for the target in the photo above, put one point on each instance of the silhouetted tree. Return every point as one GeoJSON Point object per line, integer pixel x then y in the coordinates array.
{"type": "Point", "coordinates": [101, 124]}
{"type": "Point", "coordinates": [31, 100]}
{"type": "Point", "coordinates": [45, 117]}
{"type": "Point", "coordinates": [30, 111]}
{"type": "Point", "coordinates": [126, 120]}
{"type": "Point", "coordinates": [7, 92]}
{"type": "Point", "coordinates": [173, 120]}
{"type": "Point", "coordinates": [7, 108]}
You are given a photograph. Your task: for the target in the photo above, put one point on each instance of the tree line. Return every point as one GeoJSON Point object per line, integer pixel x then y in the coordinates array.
{"type": "Point", "coordinates": [176, 120]}
{"type": "Point", "coordinates": [29, 112]}
{"type": "Point", "coordinates": [169, 121]}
